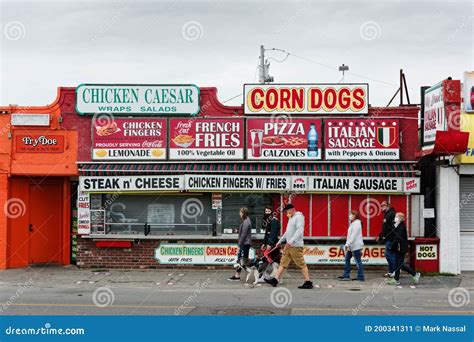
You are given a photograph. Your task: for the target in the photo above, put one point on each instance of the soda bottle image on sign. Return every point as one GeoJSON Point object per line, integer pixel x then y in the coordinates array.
{"type": "Point", "coordinates": [472, 98]}
{"type": "Point", "coordinates": [312, 141]}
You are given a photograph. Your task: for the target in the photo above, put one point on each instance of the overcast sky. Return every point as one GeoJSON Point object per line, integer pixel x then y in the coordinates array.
{"type": "Point", "coordinates": [46, 44]}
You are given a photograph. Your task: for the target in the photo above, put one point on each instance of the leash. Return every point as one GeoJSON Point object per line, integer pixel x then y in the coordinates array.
{"type": "Point", "coordinates": [266, 254]}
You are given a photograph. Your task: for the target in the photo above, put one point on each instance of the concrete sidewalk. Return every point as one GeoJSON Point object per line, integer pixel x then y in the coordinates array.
{"type": "Point", "coordinates": [183, 278]}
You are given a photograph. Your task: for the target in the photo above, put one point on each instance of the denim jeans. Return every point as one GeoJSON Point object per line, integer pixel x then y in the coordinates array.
{"type": "Point", "coordinates": [358, 259]}
{"type": "Point", "coordinates": [243, 255]}
{"type": "Point", "coordinates": [400, 265]}
{"type": "Point", "coordinates": [390, 257]}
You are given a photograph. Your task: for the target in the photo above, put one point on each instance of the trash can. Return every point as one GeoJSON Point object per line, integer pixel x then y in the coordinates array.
{"type": "Point", "coordinates": [424, 256]}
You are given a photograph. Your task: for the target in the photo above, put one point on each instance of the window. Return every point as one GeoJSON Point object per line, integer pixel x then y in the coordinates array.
{"type": "Point", "coordinates": [165, 214]}
{"type": "Point", "coordinates": [232, 202]}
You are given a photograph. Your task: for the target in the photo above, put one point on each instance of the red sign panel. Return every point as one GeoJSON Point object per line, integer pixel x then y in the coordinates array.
{"type": "Point", "coordinates": [129, 139]}
{"type": "Point", "coordinates": [39, 143]}
{"type": "Point", "coordinates": [362, 139]}
{"type": "Point", "coordinates": [277, 139]}
{"type": "Point", "coordinates": [206, 139]}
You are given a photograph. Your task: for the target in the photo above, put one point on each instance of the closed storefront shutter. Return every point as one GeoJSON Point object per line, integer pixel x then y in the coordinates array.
{"type": "Point", "coordinates": [466, 221]}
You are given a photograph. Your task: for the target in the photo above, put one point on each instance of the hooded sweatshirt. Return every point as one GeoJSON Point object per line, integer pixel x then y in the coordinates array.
{"type": "Point", "coordinates": [294, 230]}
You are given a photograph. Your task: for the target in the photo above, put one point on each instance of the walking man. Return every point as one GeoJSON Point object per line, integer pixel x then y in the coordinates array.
{"type": "Point", "coordinates": [293, 250]}
{"type": "Point", "coordinates": [386, 236]}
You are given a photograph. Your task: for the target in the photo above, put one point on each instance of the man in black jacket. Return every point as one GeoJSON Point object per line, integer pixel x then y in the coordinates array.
{"type": "Point", "coordinates": [271, 228]}
{"type": "Point", "coordinates": [386, 236]}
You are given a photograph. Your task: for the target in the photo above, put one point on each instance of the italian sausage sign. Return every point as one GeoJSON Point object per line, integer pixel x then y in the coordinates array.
{"type": "Point", "coordinates": [354, 139]}
{"type": "Point", "coordinates": [306, 98]}
{"type": "Point", "coordinates": [206, 139]}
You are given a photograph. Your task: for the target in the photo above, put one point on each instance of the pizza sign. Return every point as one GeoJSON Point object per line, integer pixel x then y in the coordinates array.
{"type": "Point", "coordinates": [362, 139]}
{"type": "Point", "coordinates": [272, 139]}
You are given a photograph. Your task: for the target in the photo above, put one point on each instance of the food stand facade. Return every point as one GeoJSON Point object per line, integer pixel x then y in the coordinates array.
{"type": "Point", "coordinates": [324, 149]}
{"type": "Point", "coordinates": [156, 174]}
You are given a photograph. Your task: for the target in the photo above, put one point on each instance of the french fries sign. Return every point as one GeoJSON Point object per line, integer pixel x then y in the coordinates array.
{"type": "Point", "coordinates": [306, 98]}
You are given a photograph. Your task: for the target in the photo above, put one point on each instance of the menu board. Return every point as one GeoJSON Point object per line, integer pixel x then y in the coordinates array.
{"type": "Point", "coordinates": [359, 139]}
{"type": "Point", "coordinates": [83, 213]}
{"type": "Point", "coordinates": [206, 139]}
{"type": "Point", "coordinates": [129, 139]}
{"type": "Point", "coordinates": [292, 139]}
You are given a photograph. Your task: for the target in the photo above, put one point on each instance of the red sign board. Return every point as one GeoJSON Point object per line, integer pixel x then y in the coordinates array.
{"type": "Point", "coordinates": [206, 139]}
{"type": "Point", "coordinates": [277, 139]}
{"type": "Point", "coordinates": [362, 139]}
{"type": "Point", "coordinates": [39, 143]}
{"type": "Point", "coordinates": [129, 139]}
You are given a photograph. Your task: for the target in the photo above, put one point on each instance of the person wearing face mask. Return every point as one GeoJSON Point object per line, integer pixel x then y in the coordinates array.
{"type": "Point", "coordinates": [399, 249]}
{"type": "Point", "coordinates": [353, 247]}
{"type": "Point", "coordinates": [386, 236]}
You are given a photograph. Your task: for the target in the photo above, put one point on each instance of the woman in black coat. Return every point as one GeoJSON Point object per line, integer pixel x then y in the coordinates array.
{"type": "Point", "coordinates": [400, 248]}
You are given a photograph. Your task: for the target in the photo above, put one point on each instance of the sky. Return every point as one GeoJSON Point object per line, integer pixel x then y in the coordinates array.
{"type": "Point", "coordinates": [47, 44]}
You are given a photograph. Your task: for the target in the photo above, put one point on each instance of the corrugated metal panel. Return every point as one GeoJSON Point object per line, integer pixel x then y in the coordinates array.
{"type": "Point", "coordinates": [466, 204]}
{"type": "Point", "coordinates": [467, 251]}
{"type": "Point", "coordinates": [466, 221]}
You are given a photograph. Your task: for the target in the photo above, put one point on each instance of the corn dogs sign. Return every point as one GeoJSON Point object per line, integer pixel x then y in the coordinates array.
{"type": "Point", "coordinates": [306, 98]}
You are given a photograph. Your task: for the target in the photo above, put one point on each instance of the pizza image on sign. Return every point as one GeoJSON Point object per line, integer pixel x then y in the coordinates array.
{"type": "Point", "coordinates": [362, 139]}
{"type": "Point", "coordinates": [292, 139]}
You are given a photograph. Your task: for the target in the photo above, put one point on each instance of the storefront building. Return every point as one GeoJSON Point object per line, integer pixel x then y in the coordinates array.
{"type": "Point", "coordinates": [160, 171]}
{"type": "Point", "coordinates": [37, 160]}
{"type": "Point", "coordinates": [447, 189]}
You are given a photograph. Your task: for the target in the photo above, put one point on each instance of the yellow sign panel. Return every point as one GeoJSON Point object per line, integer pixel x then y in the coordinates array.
{"type": "Point", "coordinates": [467, 125]}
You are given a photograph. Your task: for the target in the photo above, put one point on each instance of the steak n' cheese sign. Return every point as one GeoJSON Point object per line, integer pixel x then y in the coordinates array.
{"type": "Point", "coordinates": [306, 98]}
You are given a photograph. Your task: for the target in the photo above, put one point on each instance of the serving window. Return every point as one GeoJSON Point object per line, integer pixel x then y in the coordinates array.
{"type": "Point", "coordinates": [162, 214]}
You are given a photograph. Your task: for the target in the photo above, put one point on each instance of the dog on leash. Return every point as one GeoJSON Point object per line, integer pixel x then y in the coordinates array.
{"type": "Point", "coordinates": [260, 268]}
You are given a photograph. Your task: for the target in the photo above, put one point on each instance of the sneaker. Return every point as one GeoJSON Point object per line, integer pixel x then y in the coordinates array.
{"type": "Point", "coordinates": [389, 275]}
{"type": "Point", "coordinates": [344, 279]}
{"type": "Point", "coordinates": [416, 277]}
{"type": "Point", "coordinates": [357, 279]}
{"type": "Point", "coordinates": [393, 282]}
{"type": "Point", "coordinates": [233, 278]}
{"type": "Point", "coordinates": [272, 281]}
{"type": "Point", "coordinates": [307, 285]}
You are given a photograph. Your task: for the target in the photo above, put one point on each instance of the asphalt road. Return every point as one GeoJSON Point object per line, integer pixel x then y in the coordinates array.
{"type": "Point", "coordinates": [72, 291]}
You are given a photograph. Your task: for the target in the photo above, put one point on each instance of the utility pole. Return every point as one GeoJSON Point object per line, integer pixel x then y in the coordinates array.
{"type": "Point", "coordinates": [263, 68]}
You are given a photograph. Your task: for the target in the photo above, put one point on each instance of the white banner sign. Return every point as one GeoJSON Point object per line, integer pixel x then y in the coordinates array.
{"type": "Point", "coordinates": [137, 99]}
{"type": "Point", "coordinates": [333, 254]}
{"type": "Point", "coordinates": [364, 184]}
{"type": "Point", "coordinates": [83, 213]}
{"type": "Point", "coordinates": [198, 254]}
{"type": "Point", "coordinates": [243, 183]}
{"type": "Point", "coordinates": [131, 183]}
{"type": "Point", "coordinates": [434, 114]}
{"type": "Point", "coordinates": [426, 252]}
